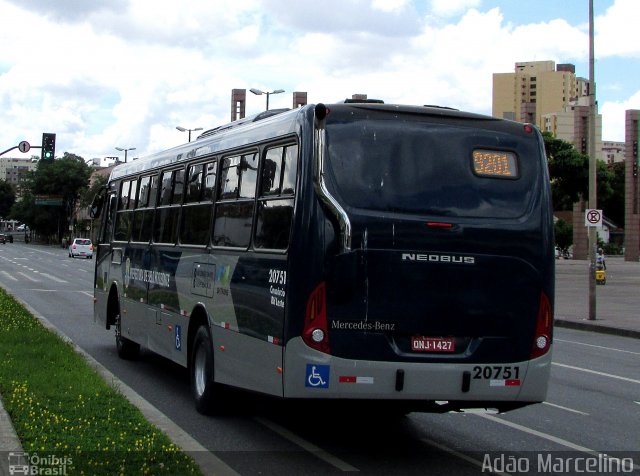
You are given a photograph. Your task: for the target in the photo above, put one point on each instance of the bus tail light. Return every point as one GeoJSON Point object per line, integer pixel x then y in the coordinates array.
{"type": "Point", "coordinates": [544, 328]}
{"type": "Point", "coordinates": [315, 333]}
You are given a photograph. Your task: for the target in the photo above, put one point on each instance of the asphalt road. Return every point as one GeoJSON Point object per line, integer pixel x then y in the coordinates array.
{"type": "Point", "coordinates": [593, 405]}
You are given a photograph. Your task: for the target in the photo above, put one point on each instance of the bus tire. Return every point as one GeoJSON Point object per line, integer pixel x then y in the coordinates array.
{"type": "Point", "coordinates": [203, 387]}
{"type": "Point", "coordinates": [127, 349]}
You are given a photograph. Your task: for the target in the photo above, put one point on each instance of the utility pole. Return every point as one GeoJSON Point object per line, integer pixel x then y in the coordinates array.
{"type": "Point", "coordinates": [593, 234]}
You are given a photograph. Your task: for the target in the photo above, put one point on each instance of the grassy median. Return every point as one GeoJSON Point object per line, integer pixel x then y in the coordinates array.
{"type": "Point", "coordinates": [66, 414]}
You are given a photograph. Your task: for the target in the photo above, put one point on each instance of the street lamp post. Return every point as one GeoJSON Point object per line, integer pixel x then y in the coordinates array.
{"type": "Point", "coordinates": [184, 129]}
{"type": "Point", "coordinates": [121, 149]}
{"type": "Point", "coordinates": [593, 233]}
{"type": "Point", "coordinates": [259, 92]}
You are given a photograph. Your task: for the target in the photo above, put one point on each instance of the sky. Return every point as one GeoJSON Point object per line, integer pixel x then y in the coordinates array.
{"type": "Point", "coordinates": [102, 74]}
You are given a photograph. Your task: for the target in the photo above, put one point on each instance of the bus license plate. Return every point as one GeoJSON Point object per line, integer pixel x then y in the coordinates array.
{"type": "Point", "coordinates": [433, 344]}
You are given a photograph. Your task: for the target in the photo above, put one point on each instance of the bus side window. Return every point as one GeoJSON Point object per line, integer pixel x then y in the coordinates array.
{"type": "Point", "coordinates": [178, 187]}
{"type": "Point", "coordinates": [142, 216]}
{"type": "Point", "coordinates": [168, 211]}
{"type": "Point", "coordinates": [196, 211]}
{"type": "Point", "coordinates": [290, 171]}
{"type": "Point", "coordinates": [229, 178]}
{"type": "Point", "coordinates": [124, 213]}
{"type": "Point", "coordinates": [275, 203]}
{"type": "Point", "coordinates": [194, 183]}
{"type": "Point", "coordinates": [107, 232]}
{"type": "Point", "coordinates": [165, 192]}
{"type": "Point", "coordinates": [248, 175]}
{"type": "Point", "coordinates": [234, 208]}
{"type": "Point", "coordinates": [210, 181]}
{"type": "Point", "coordinates": [270, 180]}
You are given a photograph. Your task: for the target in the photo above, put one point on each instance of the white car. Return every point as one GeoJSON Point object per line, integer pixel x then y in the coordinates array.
{"type": "Point", "coordinates": [81, 247]}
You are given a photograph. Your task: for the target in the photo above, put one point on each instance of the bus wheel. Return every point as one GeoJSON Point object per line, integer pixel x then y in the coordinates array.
{"type": "Point", "coordinates": [127, 349]}
{"type": "Point", "coordinates": [201, 369]}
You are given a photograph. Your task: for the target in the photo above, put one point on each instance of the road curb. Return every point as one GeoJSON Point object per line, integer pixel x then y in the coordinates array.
{"type": "Point", "coordinates": [592, 327]}
{"type": "Point", "coordinates": [206, 461]}
{"type": "Point", "coordinates": [9, 441]}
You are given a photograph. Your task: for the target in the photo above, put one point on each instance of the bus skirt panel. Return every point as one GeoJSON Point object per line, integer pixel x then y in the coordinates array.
{"type": "Point", "coordinates": [313, 374]}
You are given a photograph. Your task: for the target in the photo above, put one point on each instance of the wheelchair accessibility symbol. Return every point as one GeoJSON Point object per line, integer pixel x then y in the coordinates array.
{"type": "Point", "coordinates": [317, 376]}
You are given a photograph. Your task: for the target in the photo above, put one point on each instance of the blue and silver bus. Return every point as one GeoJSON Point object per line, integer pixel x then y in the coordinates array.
{"type": "Point", "coordinates": [349, 251]}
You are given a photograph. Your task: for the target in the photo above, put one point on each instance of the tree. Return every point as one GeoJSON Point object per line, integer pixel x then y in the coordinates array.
{"type": "Point", "coordinates": [569, 173]}
{"type": "Point", "coordinates": [564, 234]}
{"type": "Point", "coordinates": [66, 178]}
{"type": "Point", "coordinates": [568, 170]}
{"type": "Point", "coordinates": [7, 198]}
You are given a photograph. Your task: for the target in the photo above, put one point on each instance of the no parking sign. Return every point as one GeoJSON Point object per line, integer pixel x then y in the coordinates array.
{"type": "Point", "coordinates": [593, 217]}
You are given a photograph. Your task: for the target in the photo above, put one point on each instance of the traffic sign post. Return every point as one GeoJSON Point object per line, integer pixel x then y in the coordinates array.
{"type": "Point", "coordinates": [24, 146]}
{"type": "Point", "coordinates": [593, 217]}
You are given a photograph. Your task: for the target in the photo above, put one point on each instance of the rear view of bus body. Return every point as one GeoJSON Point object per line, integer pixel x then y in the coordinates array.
{"type": "Point", "coordinates": [357, 251]}
{"type": "Point", "coordinates": [434, 275]}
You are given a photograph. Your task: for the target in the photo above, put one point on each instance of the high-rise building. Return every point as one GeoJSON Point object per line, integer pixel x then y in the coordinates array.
{"type": "Point", "coordinates": [632, 186]}
{"type": "Point", "coordinates": [557, 101]}
{"type": "Point", "coordinates": [13, 170]}
{"type": "Point", "coordinates": [550, 96]}
{"type": "Point", "coordinates": [534, 89]}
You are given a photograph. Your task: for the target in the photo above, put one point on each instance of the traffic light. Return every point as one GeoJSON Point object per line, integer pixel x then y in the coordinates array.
{"type": "Point", "coordinates": [48, 146]}
{"type": "Point", "coordinates": [634, 158]}
{"type": "Point", "coordinates": [584, 145]}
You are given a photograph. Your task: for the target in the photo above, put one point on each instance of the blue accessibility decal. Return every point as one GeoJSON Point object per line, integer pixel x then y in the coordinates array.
{"type": "Point", "coordinates": [178, 338]}
{"type": "Point", "coordinates": [317, 376]}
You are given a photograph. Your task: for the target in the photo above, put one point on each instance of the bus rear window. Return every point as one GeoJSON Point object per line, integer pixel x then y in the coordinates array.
{"type": "Point", "coordinates": [431, 168]}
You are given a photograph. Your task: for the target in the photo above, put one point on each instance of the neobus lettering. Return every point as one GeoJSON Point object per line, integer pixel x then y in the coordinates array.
{"type": "Point", "coordinates": [438, 258]}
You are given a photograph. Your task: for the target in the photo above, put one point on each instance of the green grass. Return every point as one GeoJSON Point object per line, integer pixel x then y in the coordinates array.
{"type": "Point", "coordinates": [63, 410]}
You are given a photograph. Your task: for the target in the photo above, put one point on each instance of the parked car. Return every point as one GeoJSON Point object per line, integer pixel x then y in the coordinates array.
{"type": "Point", "coordinates": [3, 238]}
{"type": "Point", "coordinates": [22, 228]}
{"type": "Point", "coordinates": [81, 247]}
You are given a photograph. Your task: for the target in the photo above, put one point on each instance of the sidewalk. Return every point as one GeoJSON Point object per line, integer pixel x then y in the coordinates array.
{"type": "Point", "coordinates": [617, 312]}
{"type": "Point", "coordinates": [617, 309]}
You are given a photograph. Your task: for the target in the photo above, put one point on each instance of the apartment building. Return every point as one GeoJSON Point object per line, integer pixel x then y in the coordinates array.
{"type": "Point", "coordinates": [550, 96]}
{"type": "Point", "coordinates": [13, 170]}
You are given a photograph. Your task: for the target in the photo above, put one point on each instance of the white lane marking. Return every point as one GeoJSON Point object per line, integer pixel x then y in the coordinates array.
{"type": "Point", "coordinates": [306, 445]}
{"type": "Point", "coordinates": [462, 456]}
{"type": "Point", "coordinates": [598, 346]}
{"type": "Point", "coordinates": [545, 436]}
{"type": "Point", "coordinates": [602, 374]}
{"type": "Point", "coordinates": [54, 278]}
{"type": "Point", "coordinates": [565, 408]}
{"type": "Point", "coordinates": [28, 277]}
{"type": "Point", "coordinates": [87, 293]}
{"type": "Point", "coordinates": [8, 276]}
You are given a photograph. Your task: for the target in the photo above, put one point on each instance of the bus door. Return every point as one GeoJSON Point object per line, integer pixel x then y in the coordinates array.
{"type": "Point", "coordinates": [104, 254]}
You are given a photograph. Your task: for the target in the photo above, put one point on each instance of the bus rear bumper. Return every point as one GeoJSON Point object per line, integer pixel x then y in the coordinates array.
{"type": "Point", "coordinates": [312, 374]}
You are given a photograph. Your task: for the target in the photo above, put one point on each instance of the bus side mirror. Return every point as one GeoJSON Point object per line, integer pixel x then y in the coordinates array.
{"type": "Point", "coordinates": [96, 205]}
